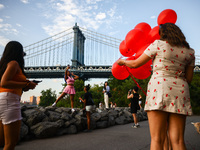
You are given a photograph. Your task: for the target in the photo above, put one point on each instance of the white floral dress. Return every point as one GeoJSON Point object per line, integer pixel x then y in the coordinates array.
{"type": "Point", "coordinates": [168, 89]}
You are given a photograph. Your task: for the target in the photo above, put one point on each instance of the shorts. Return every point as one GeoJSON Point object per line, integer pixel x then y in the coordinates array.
{"type": "Point", "coordinates": [140, 102]}
{"type": "Point", "coordinates": [134, 108]}
{"type": "Point", "coordinates": [10, 110]}
{"type": "Point", "coordinates": [69, 89]}
{"type": "Point", "coordinates": [89, 108]}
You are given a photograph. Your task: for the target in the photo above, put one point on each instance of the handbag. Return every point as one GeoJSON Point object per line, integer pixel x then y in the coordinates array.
{"type": "Point", "coordinates": [109, 94]}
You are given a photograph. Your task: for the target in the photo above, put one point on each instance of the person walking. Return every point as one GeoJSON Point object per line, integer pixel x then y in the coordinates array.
{"type": "Point", "coordinates": [69, 89]}
{"type": "Point", "coordinates": [140, 102]}
{"type": "Point", "coordinates": [89, 103]}
{"type": "Point", "coordinates": [12, 83]}
{"type": "Point", "coordinates": [168, 97]}
{"type": "Point", "coordinates": [106, 90]}
{"type": "Point", "coordinates": [134, 98]}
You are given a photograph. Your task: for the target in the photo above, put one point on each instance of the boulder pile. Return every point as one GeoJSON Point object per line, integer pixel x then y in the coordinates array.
{"type": "Point", "coordinates": [40, 122]}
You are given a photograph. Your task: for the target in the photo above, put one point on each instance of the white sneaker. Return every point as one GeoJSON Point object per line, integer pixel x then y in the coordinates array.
{"type": "Point", "coordinates": [54, 104]}
{"type": "Point", "coordinates": [134, 126]}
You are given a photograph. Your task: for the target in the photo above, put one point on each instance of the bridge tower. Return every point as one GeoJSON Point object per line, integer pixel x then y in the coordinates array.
{"type": "Point", "coordinates": [78, 47]}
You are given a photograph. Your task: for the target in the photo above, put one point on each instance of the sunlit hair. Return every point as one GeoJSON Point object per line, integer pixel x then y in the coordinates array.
{"type": "Point", "coordinates": [173, 35]}
{"type": "Point", "coordinates": [12, 51]}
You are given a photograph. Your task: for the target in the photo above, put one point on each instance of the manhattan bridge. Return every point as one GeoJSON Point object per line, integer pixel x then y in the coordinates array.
{"type": "Point", "coordinates": [90, 55]}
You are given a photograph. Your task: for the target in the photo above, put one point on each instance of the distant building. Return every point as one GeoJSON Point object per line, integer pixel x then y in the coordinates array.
{"type": "Point", "coordinates": [33, 100]}
{"type": "Point", "coordinates": [38, 100]}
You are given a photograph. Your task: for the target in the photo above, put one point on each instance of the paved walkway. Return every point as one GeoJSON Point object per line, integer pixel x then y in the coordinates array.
{"type": "Point", "coordinates": [120, 137]}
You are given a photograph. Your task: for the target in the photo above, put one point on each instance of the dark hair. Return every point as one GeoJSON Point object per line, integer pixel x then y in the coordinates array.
{"type": "Point", "coordinates": [173, 35]}
{"type": "Point", "coordinates": [87, 87]}
{"type": "Point", "coordinates": [12, 51]}
{"type": "Point", "coordinates": [105, 85]}
{"type": "Point", "coordinates": [66, 74]}
{"type": "Point", "coordinates": [135, 88]}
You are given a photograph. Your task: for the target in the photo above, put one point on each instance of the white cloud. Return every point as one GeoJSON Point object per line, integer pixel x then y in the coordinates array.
{"type": "Point", "coordinates": [100, 16]}
{"type": "Point", "coordinates": [1, 20]}
{"type": "Point", "coordinates": [7, 17]}
{"type": "Point", "coordinates": [87, 13]}
{"type": "Point", "coordinates": [8, 29]}
{"type": "Point", "coordinates": [24, 1]}
{"type": "Point", "coordinates": [1, 6]}
{"type": "Point", "coordinates": [3, 41]}
{"type": "Point", "coordinates": [92, 1]}
{"type": "Point", "coordinates": [153, 17]}
{"type": "Point", "coordinates": [19, 25]}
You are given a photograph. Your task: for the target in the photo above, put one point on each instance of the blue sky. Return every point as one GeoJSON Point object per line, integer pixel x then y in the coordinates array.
{"type": "Point", "coordinates": [29, 21]}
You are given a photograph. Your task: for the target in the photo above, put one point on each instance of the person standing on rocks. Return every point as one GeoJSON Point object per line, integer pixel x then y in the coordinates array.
{"type": "Point", "coordinates": [69, 89]}
{"type": "Point", "coordinates": [13, 83]}
{"type": "Point", "coordinates": [106, 90]}
{"type": "Point", "coordinates": [89, 103]}
{"type": "Point", "coordinates": [134, 97]}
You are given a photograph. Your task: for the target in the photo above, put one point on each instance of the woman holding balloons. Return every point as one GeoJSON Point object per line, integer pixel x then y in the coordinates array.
{"type": "Point", "coordinates": [168, 98]}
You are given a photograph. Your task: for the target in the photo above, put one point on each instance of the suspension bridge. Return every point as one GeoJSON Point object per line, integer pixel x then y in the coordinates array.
{"type": "Point", "coordinates": [90, 55]}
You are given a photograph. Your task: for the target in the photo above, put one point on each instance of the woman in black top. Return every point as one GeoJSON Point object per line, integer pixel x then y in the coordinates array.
{"type": "Point", "coordinates": [87, 100]}
{"type": "Point", "coordinates": [134, 97]}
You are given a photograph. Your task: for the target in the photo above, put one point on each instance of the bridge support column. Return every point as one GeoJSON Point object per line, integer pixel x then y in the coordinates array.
{"type": "Point", "coordinates": [78, 47]}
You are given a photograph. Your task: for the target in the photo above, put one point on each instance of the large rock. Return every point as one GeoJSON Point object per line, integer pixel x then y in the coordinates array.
{"type": "Point", "coordinates": [33, 116]}
{"type": "Point", "coordinates": [45, 129]}
{"type": "Point", "coordinates": [96, 116]}
{"type": "Point", "coordinates": [54, 116]}
{"type": "Point", "coordinates": [121, 120]}
{"type": "Point", "coordinates": [24, 130]}
{"type": "Point", "coordinates": [102, 124]}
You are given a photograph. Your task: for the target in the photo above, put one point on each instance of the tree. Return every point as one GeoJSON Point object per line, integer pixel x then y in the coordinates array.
{"type": "Point", "coordinates": [194, 93]}
{"type": "Point", "coordinates": [48, 97]}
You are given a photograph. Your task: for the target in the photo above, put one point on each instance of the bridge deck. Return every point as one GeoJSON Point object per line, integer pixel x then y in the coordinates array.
{"type": "Point", "coordinates": [84, 72]}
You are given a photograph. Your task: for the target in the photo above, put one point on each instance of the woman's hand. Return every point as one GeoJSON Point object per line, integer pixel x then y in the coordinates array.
{"type": "Point", "coordinates": [120, 62]}
{"type": "Point", "coordinates": [30, 85]}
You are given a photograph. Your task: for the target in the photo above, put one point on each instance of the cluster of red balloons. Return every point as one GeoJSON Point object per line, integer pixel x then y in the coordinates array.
{"type": "Point", "coordinates": [136, 41]}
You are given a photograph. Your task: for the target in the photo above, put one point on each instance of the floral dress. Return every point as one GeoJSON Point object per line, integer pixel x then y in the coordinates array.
{"type": "Point", "coordinates": [168, 89]}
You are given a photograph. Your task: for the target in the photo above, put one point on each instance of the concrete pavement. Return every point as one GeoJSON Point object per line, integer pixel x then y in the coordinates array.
{"type": "Point", "coordinates": [119, 137]}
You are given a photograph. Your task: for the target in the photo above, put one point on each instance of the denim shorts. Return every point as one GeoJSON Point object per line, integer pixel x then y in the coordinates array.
{"type": "Point", "coordinates": [10, 110]}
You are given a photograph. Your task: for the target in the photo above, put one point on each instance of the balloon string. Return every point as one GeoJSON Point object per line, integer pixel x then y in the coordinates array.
{"type": "Point", "coordinates": [136, 81]}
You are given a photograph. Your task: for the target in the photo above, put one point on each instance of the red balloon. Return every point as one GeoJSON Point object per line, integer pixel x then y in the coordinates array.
{"type": "Point", "coordinates": [135, 39]}
{"type": "Point", "coordinates": [124, 50]}
{"type": "Point", "coordinates": [119, 72]}
{"type": "Point", "coordinates": [141, 51]}
{"type": "Point", "coordinates": [142, 72]}
{"type": "Point", "coordinates": [153, 35]}
{"type": "Point", "coordinates": [145, 27]}
{"type": "Point", "coordinates": [167, 16]}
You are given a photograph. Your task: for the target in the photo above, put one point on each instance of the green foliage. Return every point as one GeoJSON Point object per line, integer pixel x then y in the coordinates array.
{"type": "Point", "coordinates": [194, 93]}
{"type": "Point", "coordinates": [47, 98]}
{"type": "Point", "coordinates": [120, 88]}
